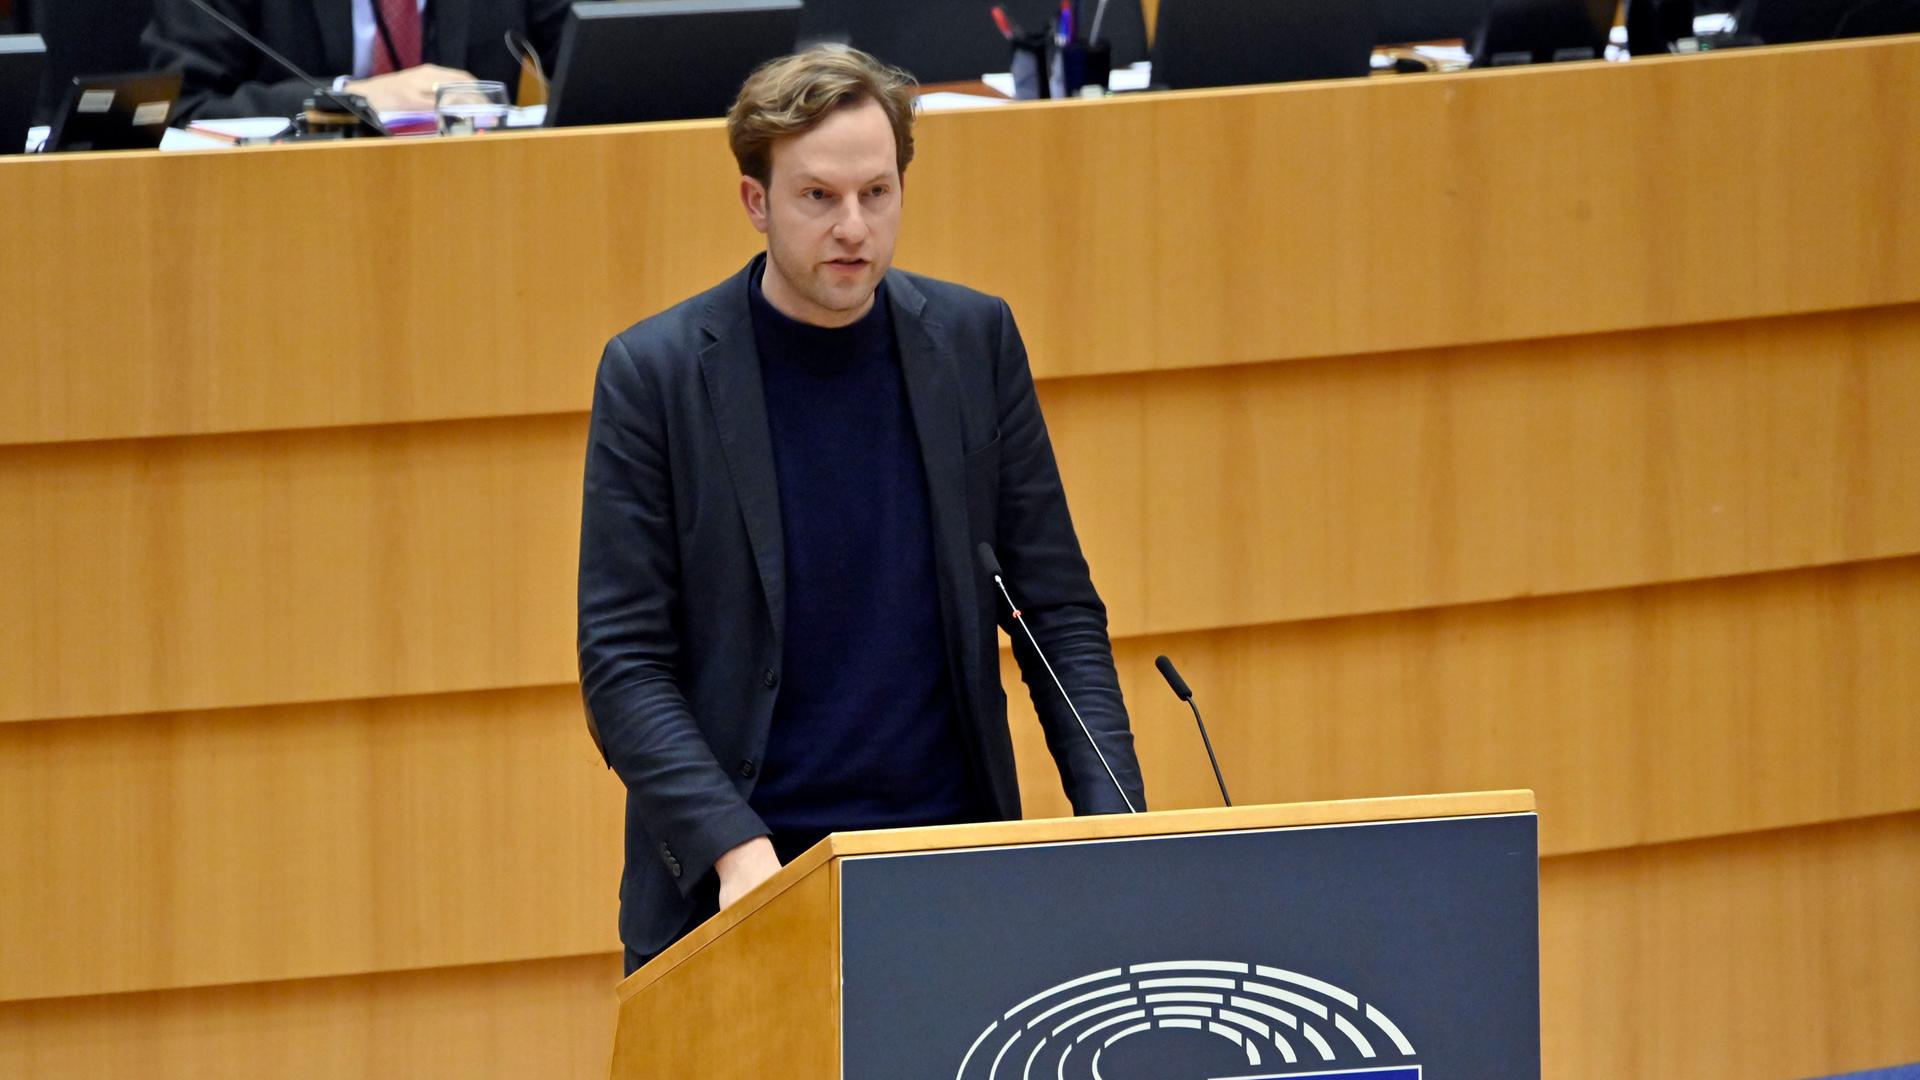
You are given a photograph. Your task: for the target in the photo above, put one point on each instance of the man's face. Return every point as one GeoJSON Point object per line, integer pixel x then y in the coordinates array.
{"type": "Point", "coordinates": [831, 214]}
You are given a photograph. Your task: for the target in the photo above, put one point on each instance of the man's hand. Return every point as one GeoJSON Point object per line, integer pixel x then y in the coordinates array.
{"type": "Point", "coordinates": [406, 91]}
{"type": "Point", "coordinates": [745, 867]}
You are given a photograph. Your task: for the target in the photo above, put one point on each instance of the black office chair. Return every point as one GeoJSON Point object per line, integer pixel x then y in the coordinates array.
{"type": "Point", "coordinates": [1784, 22]}
{"type": "Point", "coordinates": [1243, 42]}
{"type": "Point", "coordinates": [1875, 18]}
{"type": "Point", "coordinates": [1653, 26]}
{"type": "Point", "coordinates": [84, 37]}
{"type": "Point", "coordinates": [1406, 21]}
{"type": "Point", "coordinates": [1542, 31]}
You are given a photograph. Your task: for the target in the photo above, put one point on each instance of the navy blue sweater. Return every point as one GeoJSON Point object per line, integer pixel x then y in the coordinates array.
{"type": "Point", "coordinates": [865, 728]}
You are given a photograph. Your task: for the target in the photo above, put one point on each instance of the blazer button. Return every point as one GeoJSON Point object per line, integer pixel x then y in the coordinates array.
{"type": "Point", "coordinates": [770, 678]}
{"type": "Point", "coordinates": [746, 768]}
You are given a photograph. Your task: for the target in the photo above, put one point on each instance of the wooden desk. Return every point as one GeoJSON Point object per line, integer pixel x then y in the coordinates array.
{"type": "Point", "coordinates": [1527, 428]}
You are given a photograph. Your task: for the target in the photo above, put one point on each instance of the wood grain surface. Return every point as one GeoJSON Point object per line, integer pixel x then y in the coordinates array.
{"type": "Point", "coordinates": [224, 291]}
{"type": "Point", "coordinates": [764, 1000]}
{"type": "Point", "coordinates": [346, 563]}
{"type": "Point", "coordinates": [1552, 429]}
{"type": "Point", "coordinates": [1770, 956]}
{"type": "Point", "coordinates": [550, 1018]}
{"type": "Point", "coordinates": [311, 840]}
{"type": "Point", "coordinates": [1767, 956]}
{"type": "Point", "coordinates": [1637, 715]}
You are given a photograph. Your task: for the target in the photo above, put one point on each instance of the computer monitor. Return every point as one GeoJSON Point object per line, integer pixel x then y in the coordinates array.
{"type": "Point", "coordinates": [22, 58]}
{"type": "Point", "coordinates": [1783, 22]}
{"type": "Point", "coordinates": [116, 112]}
{"type": "Point", "coordinates": [1872, 18]}
{"type": "Point", "coordinates": [1242, 42]}
{"type": "Point", "coordinates": [940, 41]}
{"type": "Point", "coordinates": [636, 60]}
{"type": "Point", "coordinates": [83, 36]}
{"type": "Point", "coordinates": [1404, 22]}
{"type": "Point", "coordinates": [1541, 31]}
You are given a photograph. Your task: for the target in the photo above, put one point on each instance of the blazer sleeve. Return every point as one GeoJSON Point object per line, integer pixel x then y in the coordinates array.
{"type": "Point", "coordinates": [221, 75]}
{"type": "Point", "coordinates": [1040, 554]}
{"type": "Point", "coordinates": [629, 646]}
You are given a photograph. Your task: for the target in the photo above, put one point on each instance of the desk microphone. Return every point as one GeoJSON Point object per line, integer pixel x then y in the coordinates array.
{"type": "Point", "coordinates": [1180, 690]}
{"type": "Point", "coordinates": [992, 566]}
{"type": "Point", "coordinates": [1099, 16]}
{"type": "Point", "coordinates": [352, 104]}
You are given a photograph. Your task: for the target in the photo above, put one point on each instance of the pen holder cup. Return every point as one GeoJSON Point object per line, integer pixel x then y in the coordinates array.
{"type": "Point", "coordinates": [1030, 63]}
{"type": "Point", "coordinates": [1080, 64]}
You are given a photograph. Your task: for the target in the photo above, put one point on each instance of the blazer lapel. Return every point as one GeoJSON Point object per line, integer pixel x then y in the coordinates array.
{"type": "Point", "coordinates": [335, 19]}
{"type": "Point", "coordinates": [730, 366]}
{"type": "Point", "coordinates": [933, 399]}
{"type": "Point", "coordinates": [451, 21]}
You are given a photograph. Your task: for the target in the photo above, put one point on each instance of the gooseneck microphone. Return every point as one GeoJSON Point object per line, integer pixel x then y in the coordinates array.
{"type": "Point", "coordinates": [1184, 694]}
{"type": "Point", "coordinates": [992, 566]}
{"type": "Point", "coordinates": [352, 104]}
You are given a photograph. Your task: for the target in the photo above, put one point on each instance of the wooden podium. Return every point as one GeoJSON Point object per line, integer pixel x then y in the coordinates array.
{"type": "Point", "coordinates": [1375, 938]}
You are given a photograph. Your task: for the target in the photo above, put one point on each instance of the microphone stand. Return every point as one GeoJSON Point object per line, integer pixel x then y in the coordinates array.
{"type": "Point", "coordinates": [352, 104]}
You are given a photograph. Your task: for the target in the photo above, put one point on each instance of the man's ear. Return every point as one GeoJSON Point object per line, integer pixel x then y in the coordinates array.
{"type": "Point", "coordinates": [753, 196]}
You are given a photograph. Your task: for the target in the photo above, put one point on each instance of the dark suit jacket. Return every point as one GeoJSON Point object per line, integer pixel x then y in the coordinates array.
{"type": "Point", "coordinates": [224, 76]}
{"type": "Point", "coordinates": [682, 574]}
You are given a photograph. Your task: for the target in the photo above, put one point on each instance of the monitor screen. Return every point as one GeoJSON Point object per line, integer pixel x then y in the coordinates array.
{"type": "Point", "coordinates": [116, 112]}
{"type": "Point", "coordinates": [1404, 22]}
{"type": "Point", "coordinates": [1242, 42]}
{"type": "Point", "coordinates": [22, 58]}
{"type": "Point", "coordinates": [663, 59]}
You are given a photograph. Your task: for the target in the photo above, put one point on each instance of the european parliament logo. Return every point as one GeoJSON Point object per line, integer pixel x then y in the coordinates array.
{"type": "Point", "coordinates": [1192, 1020]}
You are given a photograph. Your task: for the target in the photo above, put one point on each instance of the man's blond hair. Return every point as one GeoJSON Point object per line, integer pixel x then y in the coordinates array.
{"type": "Point", "coordinates": [792, 95]}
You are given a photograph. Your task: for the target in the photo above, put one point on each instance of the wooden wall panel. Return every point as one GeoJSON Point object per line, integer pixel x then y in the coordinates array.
{"type": "Point", "coordinates": [1769, 956]}
{"type": "Point", "coordinates": [764, 998]}
{"type": "Point", "coordinates": [559, 240]}
{"type": "Point", "coordinates": [199, 848]}
{"type": "Point", "coordinates": [551, 1019]}
{"type": "Point", "coordinates": [1774, 956]}
{"type": "Point", "coordinates": [1154, 231]}
{"type": "Point", "coordinates": [1636, 716]}
{"type": "Point", "coordinates": [240, 570]}
{"type": "Point", "coordinates": [271, 843]}
{"type": "Point", "coordinates": [1255, 494]}
{"type": "Point", "coordinates": [1591, 470]}
{"type": "Point", "coordinates": [1340, 218]}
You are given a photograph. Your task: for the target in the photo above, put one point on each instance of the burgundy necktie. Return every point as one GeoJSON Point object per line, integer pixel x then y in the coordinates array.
{"type": "Point", "coordinates": [402, 19]}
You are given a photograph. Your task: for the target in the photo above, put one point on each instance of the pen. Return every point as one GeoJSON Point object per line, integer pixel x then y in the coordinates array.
{"type": "Point", "coordinates": [1066, 21]}
{"type": "Point", "coordinates": [1008, 28]}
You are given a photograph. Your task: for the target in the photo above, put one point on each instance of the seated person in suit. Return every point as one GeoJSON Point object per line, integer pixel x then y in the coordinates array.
{"type": "Point", "coordinates": [393, 54]}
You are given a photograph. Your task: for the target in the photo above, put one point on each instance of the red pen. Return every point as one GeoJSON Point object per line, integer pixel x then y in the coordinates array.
{"type": "Point", "coordinates": [1007, 29]}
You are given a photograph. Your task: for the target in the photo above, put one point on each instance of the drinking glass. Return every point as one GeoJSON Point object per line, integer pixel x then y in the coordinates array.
{"type": "Point", "coordinates": [469, 108]}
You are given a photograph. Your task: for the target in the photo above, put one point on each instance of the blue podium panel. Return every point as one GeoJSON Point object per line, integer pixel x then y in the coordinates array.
{"type": "Point", "coordinates": [1388, 951]}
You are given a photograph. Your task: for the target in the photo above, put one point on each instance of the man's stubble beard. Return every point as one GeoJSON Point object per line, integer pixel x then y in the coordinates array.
{"type": "Point", "coordinates": [812, 286]}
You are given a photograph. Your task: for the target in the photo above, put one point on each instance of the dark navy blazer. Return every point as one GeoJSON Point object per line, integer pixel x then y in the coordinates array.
{"type": "Point", "coordinates": [681, 574]}
{"type": "Point", "coordinates": [221, 75]}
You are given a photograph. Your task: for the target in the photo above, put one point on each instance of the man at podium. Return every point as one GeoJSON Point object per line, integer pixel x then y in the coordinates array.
{"type": "Point", "coordinates": [786, 620]}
